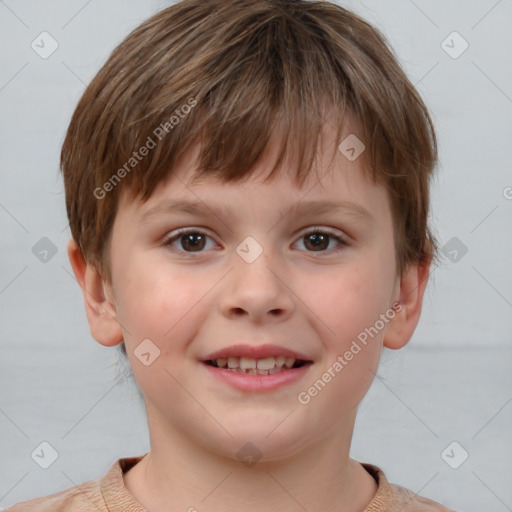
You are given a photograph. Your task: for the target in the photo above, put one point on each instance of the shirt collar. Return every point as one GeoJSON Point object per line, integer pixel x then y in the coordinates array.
{"type": "Point", "coordinates": [119, 499]}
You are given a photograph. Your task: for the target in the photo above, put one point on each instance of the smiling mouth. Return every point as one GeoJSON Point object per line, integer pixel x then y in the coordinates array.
{"type": "Point", "coordinates": [250, 366]}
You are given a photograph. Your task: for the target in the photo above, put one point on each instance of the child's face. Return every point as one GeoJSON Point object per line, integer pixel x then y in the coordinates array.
{"type": "Point", "coordinates": [195, 296]}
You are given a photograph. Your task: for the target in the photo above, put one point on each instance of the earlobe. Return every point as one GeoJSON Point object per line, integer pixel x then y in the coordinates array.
{"type": "Point", "coordinates": [100, 308]}
{"type": "Point", "coordinates": [410, 289]}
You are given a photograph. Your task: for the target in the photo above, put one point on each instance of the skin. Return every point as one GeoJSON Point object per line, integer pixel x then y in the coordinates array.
{"type": "Point", "coordinates": [315, 301]}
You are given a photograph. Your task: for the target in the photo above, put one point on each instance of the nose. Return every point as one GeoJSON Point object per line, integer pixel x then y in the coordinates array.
{"type": "Point", "coordinates": [258, 290]}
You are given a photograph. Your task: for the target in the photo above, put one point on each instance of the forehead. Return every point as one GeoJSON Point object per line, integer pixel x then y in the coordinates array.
{"type": "Point", "coordinates": [332, 180]}
{"type": "Point", "coordinates": [338, 171]}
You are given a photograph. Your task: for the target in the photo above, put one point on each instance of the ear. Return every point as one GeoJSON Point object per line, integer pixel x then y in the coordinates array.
{"type": "Point", "coordinates": [409, 294]}
{"type": "Point", "coordinates": [99, 304]}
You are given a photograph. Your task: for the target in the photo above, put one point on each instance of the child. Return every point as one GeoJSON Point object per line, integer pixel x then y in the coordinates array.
{"type": "Point", "coordinates": [247, 185]}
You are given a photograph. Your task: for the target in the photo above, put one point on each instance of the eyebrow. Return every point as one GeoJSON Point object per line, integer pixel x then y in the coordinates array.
{"type": "Point", "coordinates": [315, 207]}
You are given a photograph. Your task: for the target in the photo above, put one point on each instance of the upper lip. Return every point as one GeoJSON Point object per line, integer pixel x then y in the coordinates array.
{"type": "Point", "coordinates": [255, 352]}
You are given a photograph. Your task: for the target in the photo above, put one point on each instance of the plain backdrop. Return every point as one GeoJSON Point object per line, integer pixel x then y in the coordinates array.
{"type": "Point", "coordinates": [451, 384]}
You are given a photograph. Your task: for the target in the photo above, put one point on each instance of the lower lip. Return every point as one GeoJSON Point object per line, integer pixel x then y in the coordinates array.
{"type": "Point", "coordinates": [258, 383]}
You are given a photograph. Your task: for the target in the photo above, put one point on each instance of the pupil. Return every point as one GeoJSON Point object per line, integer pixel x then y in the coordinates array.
{"type": "Point", "coordinates": [318, 240]}
{"type": "Point", "coordinates": [189, 239]}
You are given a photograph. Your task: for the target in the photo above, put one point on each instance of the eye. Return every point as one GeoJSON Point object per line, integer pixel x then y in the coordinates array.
{"type": "Point", "coordinates": [318, 239]}
{"type": "Point", "coordinates": [190, 240]}
{"type": "Point", "coordinates": [194, 241]}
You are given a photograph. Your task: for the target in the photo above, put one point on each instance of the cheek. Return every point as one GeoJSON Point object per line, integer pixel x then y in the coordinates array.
{"type": "Point", "coordinates": [160, 305]}
{"type": "Point", "coordinates": [349, 299]}
{"type": "Point", "coordinates": [352, 347]}
{"type": "Point", "coordinates": [356, 310]}
{"type": "Point", "coordinates": [348, 305]}
{"type": "Point", "coordinates": [157, 301]}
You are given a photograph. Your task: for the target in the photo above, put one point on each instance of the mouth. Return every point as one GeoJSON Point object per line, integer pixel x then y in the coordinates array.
{"type": "Point", "coordinates": [252, 366]}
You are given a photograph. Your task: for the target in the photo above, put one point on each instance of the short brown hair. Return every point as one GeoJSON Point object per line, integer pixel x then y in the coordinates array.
{"type": "Point", "coordinates": [226, 73]}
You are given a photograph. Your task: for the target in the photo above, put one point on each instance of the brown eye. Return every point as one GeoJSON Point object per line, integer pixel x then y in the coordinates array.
{"type": "Point", "coordinates": [192, 241]}
{"type": "Point", "coordinates": [319, 241]}
{"type": "Point", "coordinates": [188, 241]}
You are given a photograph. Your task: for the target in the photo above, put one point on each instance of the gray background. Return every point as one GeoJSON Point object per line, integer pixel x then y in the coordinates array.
{"type": "Point", "coordinates": [451, 383]}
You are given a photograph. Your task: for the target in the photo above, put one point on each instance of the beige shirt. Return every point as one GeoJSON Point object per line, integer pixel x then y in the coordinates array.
{"type": "Point", "coordinates": [109, 494]}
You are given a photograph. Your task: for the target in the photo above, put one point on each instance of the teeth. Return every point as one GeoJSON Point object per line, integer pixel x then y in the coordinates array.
{"type": "Point", "coordinates": [289, 362]}
{"type": "Point", "coordinates": [266, 364]}
{"type": "Point", "coordinates": [252, 366]}
{"type": "Point", "coordinates": [232, 362]}
{"type": "Point", "coordinates": [280, 360]}
{"type": "Point", "coordinates": [247, 363]}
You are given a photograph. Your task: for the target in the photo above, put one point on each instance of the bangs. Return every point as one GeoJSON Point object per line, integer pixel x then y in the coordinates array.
{"type": "Point", "coordinates": [258, 82]}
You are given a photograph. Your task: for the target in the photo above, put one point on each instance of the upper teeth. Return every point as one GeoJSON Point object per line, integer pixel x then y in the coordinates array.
{"type": "Point", "coordinates": [261, 364]}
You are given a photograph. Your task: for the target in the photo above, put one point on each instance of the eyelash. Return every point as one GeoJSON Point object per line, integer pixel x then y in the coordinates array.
{"type": "Point", "coordinates": [313, 231]}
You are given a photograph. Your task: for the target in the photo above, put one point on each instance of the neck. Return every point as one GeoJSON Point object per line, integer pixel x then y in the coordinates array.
{"type": "Point", "coordinates": [319, 476]}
